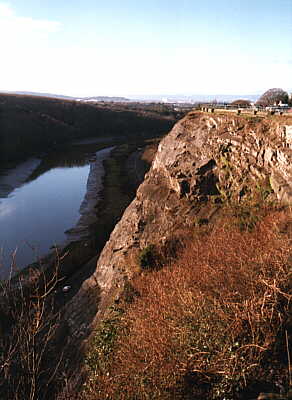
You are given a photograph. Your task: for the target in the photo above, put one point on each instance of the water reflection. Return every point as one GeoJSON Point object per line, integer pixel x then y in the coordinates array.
{"type": "Point", "coordinates": [66, 157]}
{"type": "Point", "coordinates": [36, 215]}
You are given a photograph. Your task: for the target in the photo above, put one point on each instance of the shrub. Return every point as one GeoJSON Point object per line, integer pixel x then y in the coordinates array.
{"type": "Point", "coordinates": [205, 325]}
{"type": "Point", "coordinates": [147, 257]}
{"type": "Point", "coordinates": [33, 341]}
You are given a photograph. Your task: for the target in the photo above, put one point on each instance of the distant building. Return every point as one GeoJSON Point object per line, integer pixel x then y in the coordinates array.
{"type": "Point", "coordinates": [283, 105]}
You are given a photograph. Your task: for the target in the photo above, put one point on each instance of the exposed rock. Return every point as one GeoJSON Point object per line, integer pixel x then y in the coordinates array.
{"type": "Point", "coordinates": [203, 157]}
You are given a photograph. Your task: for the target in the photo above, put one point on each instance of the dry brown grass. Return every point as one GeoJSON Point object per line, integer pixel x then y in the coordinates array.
{"type": "Point", "coordinates": [203, 326]}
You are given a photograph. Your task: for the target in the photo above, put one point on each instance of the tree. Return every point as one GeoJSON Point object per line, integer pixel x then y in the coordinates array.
{"type": "Point", "coordinates": [272, 97]}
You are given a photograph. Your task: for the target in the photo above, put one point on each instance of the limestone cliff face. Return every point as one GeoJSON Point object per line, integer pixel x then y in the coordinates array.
{"type": "Point", "coordinates": [204, 158]}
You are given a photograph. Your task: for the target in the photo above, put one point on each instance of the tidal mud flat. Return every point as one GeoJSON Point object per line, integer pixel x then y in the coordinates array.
{"type": "Point", "coordinates": [12, 178]}
{"type": "Point", "coordinates": [94, 188]}
{"type": "Point", "coordinates": [119, 183]}
{"type": "Point", "coordinates": [111, 185]}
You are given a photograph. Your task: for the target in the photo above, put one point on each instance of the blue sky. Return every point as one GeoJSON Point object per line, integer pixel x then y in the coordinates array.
{"type": "Point", "coordinates": [127, 47]}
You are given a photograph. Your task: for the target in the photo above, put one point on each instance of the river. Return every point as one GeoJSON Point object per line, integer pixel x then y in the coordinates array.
{"type": "Point", "coordinates": [47, 202]}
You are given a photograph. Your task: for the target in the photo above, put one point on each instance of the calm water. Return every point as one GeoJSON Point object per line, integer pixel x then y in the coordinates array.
{"type": "Point", "coordinates": [35, 216]}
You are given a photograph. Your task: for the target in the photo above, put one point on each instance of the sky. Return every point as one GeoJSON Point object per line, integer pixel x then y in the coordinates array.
{"type": "Point", "coordinates": [129, 48]}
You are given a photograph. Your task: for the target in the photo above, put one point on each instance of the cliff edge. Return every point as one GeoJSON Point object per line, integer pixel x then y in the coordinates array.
{"type": "Point", "coordinates": [205, 161]}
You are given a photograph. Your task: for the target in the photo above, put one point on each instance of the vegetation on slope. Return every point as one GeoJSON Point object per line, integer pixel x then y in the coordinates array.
{"type": "Point", "coordinates": [210, 319]}
{"type": "Point", "coordinates": [206, 324]}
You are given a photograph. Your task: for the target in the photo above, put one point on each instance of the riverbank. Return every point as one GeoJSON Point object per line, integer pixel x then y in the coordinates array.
{"type": "Point", "coordinates": [45, 289]}
{"type": "Point", "coordinates": [115, 173]}
{"type": "Point", "coordinates": [77, 260]}
{"type": "Point", "coordinates": [94, 187]}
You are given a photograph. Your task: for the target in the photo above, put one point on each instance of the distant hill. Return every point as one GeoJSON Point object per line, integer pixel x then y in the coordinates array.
{"type": "Point", "coordinates": [104, 98]}
{"type": "Point", "coordinates": [195, 98]}
{"type": "Point", "coordinates": [30, 124]}
{"type": "Point", "coordinates": [171, 98]}
{"type": "Point", "coordinates": [62, 97]}
{"type": "Point", "coordinates": [39, 94]}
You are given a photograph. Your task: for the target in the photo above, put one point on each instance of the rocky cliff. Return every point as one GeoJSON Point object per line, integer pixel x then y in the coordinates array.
{"type": "Point", "coordinates": [204, 162]}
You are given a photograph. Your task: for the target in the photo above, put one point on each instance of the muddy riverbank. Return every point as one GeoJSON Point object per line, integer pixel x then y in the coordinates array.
{"type": "Point", "coordinates": [76, 261]}
{"type": "Point", "coordinates": [48, 203]}
{"type": "Point", "coordinates": [12, 178]}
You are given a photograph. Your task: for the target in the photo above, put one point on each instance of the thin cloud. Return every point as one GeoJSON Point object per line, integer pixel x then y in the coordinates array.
{"type": "Point", "coordinates": [11, 23]}
{"type": "Point", "coordinates": [26, 46]}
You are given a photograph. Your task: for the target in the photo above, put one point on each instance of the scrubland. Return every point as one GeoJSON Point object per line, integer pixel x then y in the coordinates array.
{"type": "Point", "coordinates": [212, 324]}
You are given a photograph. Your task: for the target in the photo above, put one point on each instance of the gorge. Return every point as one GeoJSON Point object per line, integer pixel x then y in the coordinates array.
{"type": "Point", "coordinates": [216, 180]}
{"type": "Point", "coordinates": [210, 170]}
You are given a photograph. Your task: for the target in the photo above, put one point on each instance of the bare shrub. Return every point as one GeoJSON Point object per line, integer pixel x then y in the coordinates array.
{"type": "Point", "coordinates": [29, 323]}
